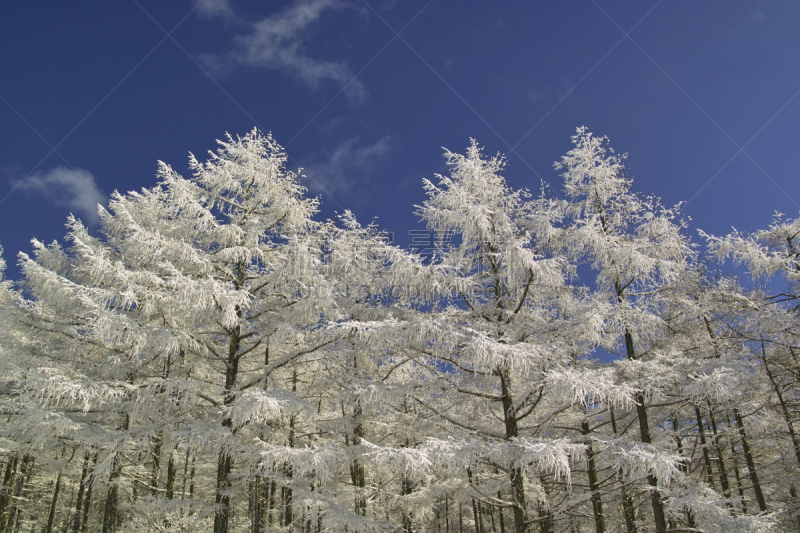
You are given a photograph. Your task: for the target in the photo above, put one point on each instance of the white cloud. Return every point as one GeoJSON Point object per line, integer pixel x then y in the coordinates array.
{"type": "Point", "coordinates": [214, 8]}
{"type": "Point", "coordinates": [278, 43]}
{"type": "Point", "coordinates": [73, 189]}
{"type": "Point", "coordinates": [346, 167]}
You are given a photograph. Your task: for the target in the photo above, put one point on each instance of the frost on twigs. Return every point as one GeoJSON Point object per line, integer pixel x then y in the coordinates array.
{"type": "Point", "coordinates": [639, 460]}
{"type": "Point", "coordinates": [710, 511]}
{"type": "Point", "coordinates": [260, 407]}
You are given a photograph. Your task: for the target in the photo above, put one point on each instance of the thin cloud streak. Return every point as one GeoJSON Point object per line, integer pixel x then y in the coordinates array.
{"type": "Point", "coordinates": [278, 43]}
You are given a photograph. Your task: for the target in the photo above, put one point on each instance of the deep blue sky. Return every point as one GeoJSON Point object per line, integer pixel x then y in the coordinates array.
{"type": "Point", "coordinates": [679, 85]}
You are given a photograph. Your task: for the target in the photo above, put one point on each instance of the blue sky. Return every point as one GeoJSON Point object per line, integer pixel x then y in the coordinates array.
{"type": "Point", "coordinates": [704, 96]}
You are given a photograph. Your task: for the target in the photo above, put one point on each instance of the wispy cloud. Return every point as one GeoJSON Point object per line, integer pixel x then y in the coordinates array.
{"type": "Point", "coordinates": [73, 189]}
{"type": "Point", "coordinates": [347, 167]}
{"type": "Point", "coordinates": [278, 42]}
{"type": "Point", "coordinates": [214, 8]}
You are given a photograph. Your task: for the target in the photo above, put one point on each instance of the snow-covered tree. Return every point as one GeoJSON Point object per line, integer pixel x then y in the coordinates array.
{"type": "Point", "coordinates": [184, 290]}
{"type": "Point", "coordinates": [768, 331]}
{"type": "Point", "coordinates": [214, 358]}
{"type": "Point", "coordinates": [636, 249]}
{"type": "Point", "coordinates": [500, 341]}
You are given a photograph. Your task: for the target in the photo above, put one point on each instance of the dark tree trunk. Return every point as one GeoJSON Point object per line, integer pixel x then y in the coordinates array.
{"type": "Point", "coordinates": [723, 473]}
{"type": "Point", "coordinates": [446, 513]}
{"type": "Point", "coordinates": [704, 445]}
{"type": "Point", "coordinates": [156, 442]}
{"type": "Point", "coordinates": [191, 478]}
{"type": "Point", "coordinates": [784, 408]}
{"type": "Point", "coordinates": [8, 486]}
{"type": "Point", "coordinates": [545, 518]}
{"type": "Point", "coordinates": [357, 470]}
{"type": "Point", "coordinates": [406, 488]}
{"type": "Point", "coordinates": [112, 496]}
{"type": "Point", "coordinates": [474, 504]}
{"type": "Point", "coordinates": [222, 497]}
{"type": "Point", "coordinates": [76, 519]}
{"type": "Point", "coordinates": [170, 486]}
{"type": "Point", "coordinates": [739, 485]}
{"type": "Point", "coordinates": [358, 475]}
{"type": "Point", "coordinates": [54, 502]}
{"type": "Point", "coordinates": [516, 473]}
{"type": "Point", "coordinates": [87, 501]}
{"type": "Point", "coordinates": [628, 511]}
{"type": "Point", "coordinates": [288, 515]}
{"type": "Point", "coordinates": [500, 517]}
{"type": "Point", "coordinates": [684, 468]}
{"type": "Point", "coordinates": [751, 465]}
{"type": "Point", "coordinates": [594, 488]}
{"type": "Point", "coordinates": [644, 433]}
{"type": "Point", "coordinates": [273, 489]}
{"type": "Point", "coordinates": [15, 512]}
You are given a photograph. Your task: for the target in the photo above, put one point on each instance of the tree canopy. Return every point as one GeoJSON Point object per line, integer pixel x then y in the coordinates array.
{"type": "Point", "coordinates": [216, 358]}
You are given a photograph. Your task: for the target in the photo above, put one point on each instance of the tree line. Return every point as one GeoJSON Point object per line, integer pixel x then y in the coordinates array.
{"type": "Point", "coordinates": [216, 358]}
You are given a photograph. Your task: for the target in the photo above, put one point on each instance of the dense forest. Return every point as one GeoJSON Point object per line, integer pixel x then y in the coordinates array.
{"type": "Point", "coordinates": [214, 357]}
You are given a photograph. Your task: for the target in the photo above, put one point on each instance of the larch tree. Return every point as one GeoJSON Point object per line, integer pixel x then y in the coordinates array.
{"type": "Point", "coordinates": [768, 331]}
{"type": "Point", "coordinates": [501, 338]}
{"type": "Point", "coordinates": [216, 359]}
{"type": "Point", "coordinates": [636, 248]}
{"type": "Point", "coordinates": [187, 285]}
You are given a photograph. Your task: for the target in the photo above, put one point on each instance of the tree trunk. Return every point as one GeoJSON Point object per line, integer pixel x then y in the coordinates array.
{"type": "Point", "coordinates": [516, 474]}
{"type": "Point", "coordinates": [87, 501]}
{"type": "Point", "coordinates": [19, 485]}
{"type": "Point", "coordinates": [739, 485]}
{"type": "Point", "coordinates": [76, 520]}
{"type": "Point", "coordinates": [156, 442]}
{"type": "Point", "coordinates": [784, 408]}
{"type": "Point", "coordinates": [56, 490]}
{"type": "Point", "coordinates": [723, 473]}
{"type": "Point", "coordinates": [357, 469]}
{"type": "Point", "coordinates": [501, 519]}
{"type": "Point", "coordinates": [594, 488]}
{"type": "Point", "coordinates": [644, 433]}
{"type": "Point", "coordinates": [170, 485]}
{"type": "Point", "coordinates": [474, 505]}
{"type": "Point", "coordinates": [288, 503]}
{"type": "Point", "coordinates": [446, 513]}
{"type": "Point", "coordinates": [545, 518]}
{"type": "Point", "coordinates": [273, 489]}
{"type": "Point", "coordinates": [704, 445]}
{"type": "Point", "coordinates": [751, 465]}
{"type": "Point", "coordinates": [628, 511]}
{"type": "Point", "coordinates": [684, 468]}
{"type": "Point", "coordinates": [406, 488]}
{"type": "Point", "coordinates": [8, 485]}
{"type": "Point", "coordinates": [112, 496]}
{"type": "Point", "coordinates": [254, 504]}
{"type": "Point", "coordinates": [191, 478]}
{"type": "Point", "coordinates": [222, 496]}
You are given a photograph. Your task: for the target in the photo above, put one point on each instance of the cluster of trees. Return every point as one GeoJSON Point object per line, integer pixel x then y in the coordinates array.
{"type": "Point", "coordinates": [217, 359]}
